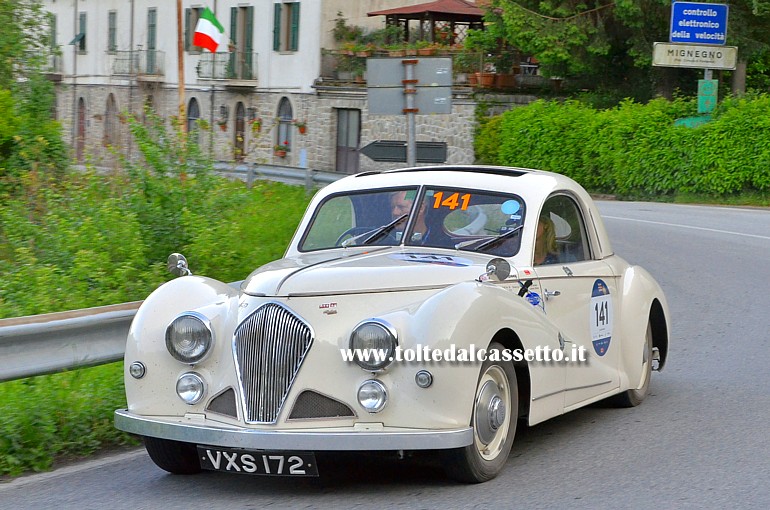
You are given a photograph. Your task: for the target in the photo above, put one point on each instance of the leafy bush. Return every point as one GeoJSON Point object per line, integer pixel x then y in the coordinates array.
{"type": "Point", "coordinates": [636, 149]}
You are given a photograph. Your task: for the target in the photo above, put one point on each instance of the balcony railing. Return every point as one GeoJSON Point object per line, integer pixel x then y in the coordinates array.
{"type": "Point", "coordinates": [236, 65]}
{"type": "Point", "coordinates": [469, 69]}
{"type": "Point", "coordinates": [149, 63]}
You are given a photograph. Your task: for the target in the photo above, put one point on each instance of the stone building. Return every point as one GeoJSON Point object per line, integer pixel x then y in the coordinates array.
{"type": "Point", "coordinates": [118, 57]}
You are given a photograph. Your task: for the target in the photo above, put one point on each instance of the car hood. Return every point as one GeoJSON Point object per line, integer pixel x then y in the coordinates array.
{"type": "Point", "coordinates": [376, 270]}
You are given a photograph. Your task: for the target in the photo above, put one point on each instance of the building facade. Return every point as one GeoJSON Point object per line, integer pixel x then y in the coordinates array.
{"type": "Point", "coordinates": [267, 89]}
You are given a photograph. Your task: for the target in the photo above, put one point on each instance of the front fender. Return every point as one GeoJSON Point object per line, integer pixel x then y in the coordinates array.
{"type": "Point", "coordinates": [146, 340]}
{"type": "Point", "coordinates": [643, 301]}
{"type": "Point", "coordinates": [465, 318]}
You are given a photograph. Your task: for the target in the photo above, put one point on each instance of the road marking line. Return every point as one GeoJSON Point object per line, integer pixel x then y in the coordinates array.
{"type": "Point", "coordinates": [755, 236]}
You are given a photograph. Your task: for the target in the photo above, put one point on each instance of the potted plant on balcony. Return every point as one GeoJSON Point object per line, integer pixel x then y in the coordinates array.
{"type": "Point", "coordinates": [281, 149]}
{"type": "Point", "coordinates": [222, 123]}
{"type": "Point", "coordinates": [301, 126]}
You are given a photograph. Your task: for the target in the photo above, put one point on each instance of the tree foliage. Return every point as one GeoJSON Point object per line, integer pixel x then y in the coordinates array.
{"type": "Point", "coordinates": [609, 43]}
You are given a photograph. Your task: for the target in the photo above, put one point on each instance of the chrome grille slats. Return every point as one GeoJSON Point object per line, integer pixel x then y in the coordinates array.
{"type": "Point", "coordinates": [269, 347]}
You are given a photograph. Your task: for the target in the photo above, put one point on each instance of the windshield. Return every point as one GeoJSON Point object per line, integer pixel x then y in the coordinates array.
{"type": "Point", "coordinates": [457, 219]}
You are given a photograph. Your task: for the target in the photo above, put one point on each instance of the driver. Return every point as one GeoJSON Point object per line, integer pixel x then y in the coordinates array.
{"type": "Point", "coordinates": [401, 203]}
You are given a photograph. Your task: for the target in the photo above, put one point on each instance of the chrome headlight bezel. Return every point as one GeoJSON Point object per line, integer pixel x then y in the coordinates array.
{"type": "Point", "coordinates": [192, 385]}
{"type": "Point", "coordinates": [390, 341]}
{"type": "Point", "coordinates": [201, 347]}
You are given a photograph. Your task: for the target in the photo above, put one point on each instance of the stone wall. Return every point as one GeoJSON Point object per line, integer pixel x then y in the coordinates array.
{"type": "Point", "coordinates": [317, 110]}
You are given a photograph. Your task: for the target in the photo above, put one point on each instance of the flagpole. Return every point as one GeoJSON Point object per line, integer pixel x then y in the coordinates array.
{"type": "Point", "coordinates": [180, 63]}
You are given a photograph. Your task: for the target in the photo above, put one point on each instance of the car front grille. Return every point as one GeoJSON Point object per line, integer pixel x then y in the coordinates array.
{"type": "Point", "coordinates": [270, 346]}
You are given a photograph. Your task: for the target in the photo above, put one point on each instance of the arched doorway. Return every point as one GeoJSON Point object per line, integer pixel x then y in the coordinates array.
{"type": "Point", "coordinates": [80, 137]}
{"type": "Point", "coordinates": [111, 122]}
{"type": "Point", "coordinates": [239, 144]}
{"type": "Point", "coordinates": [285, 118]}
{"type": "Point", "coordinates": [193, 114]}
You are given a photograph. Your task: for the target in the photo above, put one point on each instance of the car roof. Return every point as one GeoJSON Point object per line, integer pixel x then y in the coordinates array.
{"type": "Point", "coordinates": [533, 186]}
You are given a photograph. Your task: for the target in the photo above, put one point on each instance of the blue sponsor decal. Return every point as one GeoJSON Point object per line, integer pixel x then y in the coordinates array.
{"type": "Point", "coordinates": [433, 258]}
{"type": "Point", "coordinates": [534, 298]}
{"type": "Point", "coordinates": [601, 317]}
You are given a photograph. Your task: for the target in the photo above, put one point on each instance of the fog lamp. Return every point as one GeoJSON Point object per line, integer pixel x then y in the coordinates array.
{"type": "Point", "coordinates": [190, 388]}
{"type": "Point", "coordinates": [372, 396]}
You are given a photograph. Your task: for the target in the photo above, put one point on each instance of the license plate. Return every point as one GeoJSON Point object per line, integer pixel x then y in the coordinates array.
{"type": "Point", "coordinates": [269, 463]}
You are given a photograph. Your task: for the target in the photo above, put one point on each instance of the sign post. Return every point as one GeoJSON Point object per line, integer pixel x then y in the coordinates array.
{"type": "Point", "coordinates": [697, 40]}
{"type": "Point", "coordinates": [409, 86]}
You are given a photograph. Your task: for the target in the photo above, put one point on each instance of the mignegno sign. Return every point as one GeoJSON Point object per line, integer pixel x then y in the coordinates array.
{"type": "Point", "coordinates": [698, 56]}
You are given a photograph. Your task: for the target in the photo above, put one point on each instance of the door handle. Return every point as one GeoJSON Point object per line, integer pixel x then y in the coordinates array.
{"type": "Point", "coordinates": [551, 293]}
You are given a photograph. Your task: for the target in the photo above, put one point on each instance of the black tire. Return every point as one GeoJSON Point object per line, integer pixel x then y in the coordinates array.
{"type": "Point", "coordinates": [634, 397]}
{"type": "Point", "coordinates": [173, 456]}
{"type": "Point", "coordinates": [492, 434]}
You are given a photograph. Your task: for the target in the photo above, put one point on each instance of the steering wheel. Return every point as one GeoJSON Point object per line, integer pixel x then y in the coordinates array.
{"type": "Point", "coordinates": [351, 232]}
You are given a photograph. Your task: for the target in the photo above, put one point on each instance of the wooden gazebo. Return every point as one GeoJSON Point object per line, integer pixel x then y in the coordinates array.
{"type": "Point", "coordinates": [452, 17]}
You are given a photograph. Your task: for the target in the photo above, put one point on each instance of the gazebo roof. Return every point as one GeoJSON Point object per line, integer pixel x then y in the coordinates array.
{"type": "Point", "coordinates": [438, 10]}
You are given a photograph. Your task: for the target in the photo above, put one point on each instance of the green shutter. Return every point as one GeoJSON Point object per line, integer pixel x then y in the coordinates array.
{"type": "Point", "coordinates": [187, 34]}
{"type": "Point", "coordinates": [249, 30]}
{"type": "Point", "coordinates": [277, 27]}
{"type": "Point", "coordinates": [234, 24]}
{"type": "Point", "coordinates": [294, 27]}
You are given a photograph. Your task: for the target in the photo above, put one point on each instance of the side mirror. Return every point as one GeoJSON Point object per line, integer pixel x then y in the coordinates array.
{"type": "Point", "coordinates": [177, 265]}
{"type": "Point", "coordinates": [498, 268]}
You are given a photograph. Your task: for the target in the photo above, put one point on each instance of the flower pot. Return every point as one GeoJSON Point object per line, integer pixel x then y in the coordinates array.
{"type": "Point", "coordinates": [280, 153]}
{"type": "Point", "coordinates": [302, 129]}
{"type": "Point", "coordinates": [223, 127]}
{"type": "Point", "coordinates": [486, 80]}
{"type": "Point", "coordinates": [473, 79]}
{"type": "Point", "coordinates": [505, 81]}
{"type": "Point", "coordinates": [397, 53]}
{"type": "Point", "coordinates": [426, 51]}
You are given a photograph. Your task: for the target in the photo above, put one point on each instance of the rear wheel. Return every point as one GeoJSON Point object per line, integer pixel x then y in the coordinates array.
{"type": "Point", "coordinates": [495, 412]}
{"type": "Point", "coordinates": [634, 397]}
{"type": "Point", "coordinates": [173, 456]}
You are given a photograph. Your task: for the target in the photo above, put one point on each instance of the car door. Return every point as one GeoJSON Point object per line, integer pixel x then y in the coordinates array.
{"type": "Point", "coordinates": [578, 293]}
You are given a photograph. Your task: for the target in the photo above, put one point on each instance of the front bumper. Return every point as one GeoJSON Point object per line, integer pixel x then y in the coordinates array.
{"type": "Point", "coordinates": [362, 437]}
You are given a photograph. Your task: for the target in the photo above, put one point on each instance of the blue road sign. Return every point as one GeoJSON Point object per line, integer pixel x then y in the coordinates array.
{"type": "Point", "coordinates": [698, 23]}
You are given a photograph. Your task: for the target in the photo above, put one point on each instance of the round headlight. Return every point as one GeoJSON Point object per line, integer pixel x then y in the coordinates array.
{"type": "Point", "coordinates": [189, 337]}
{"type": "Point", "coordinates": [372, 396]}
{"type": "Point", "coordinates": [373, 343]}
{"type": "Point", "coordinates": [190, 388]}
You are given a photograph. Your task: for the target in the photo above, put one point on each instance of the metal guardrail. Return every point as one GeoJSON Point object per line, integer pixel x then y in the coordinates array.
{"type": "Point", "coordinates": [53, 342]}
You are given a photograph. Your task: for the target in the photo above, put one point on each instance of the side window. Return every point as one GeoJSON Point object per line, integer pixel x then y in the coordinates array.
{"type": "Point", "coordinates": [561, 235]}
{"type": "Point", "coordinates": [286, 26]}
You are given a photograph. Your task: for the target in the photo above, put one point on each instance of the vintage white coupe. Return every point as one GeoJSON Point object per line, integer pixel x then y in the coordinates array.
{"type": "Point", "coordinates": [415, 309]}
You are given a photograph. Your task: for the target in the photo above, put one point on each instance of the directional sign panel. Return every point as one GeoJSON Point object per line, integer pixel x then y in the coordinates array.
{"type": "Point", "coordinates": [395, 151]}
{"type": "Point", "coordinates": [697, 56]}
{"type": "Point", "coordinates": [385, 85]}
{"type": "Point", "coordinates": [698, 23]}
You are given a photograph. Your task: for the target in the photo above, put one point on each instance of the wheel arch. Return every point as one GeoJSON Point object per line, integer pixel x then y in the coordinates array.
{"type": "Point", "coordinates": [659, 331]}
{"type": "Point", "coordinates": [510, 340]}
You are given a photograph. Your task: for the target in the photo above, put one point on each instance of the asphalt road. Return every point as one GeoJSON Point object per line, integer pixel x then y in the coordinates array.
{"type": "Point", "coordinates": [700, 440]}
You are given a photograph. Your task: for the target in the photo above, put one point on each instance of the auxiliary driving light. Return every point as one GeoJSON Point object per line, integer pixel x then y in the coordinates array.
{"type": "Point", "coordinates": [190, 388]}
{"type": "Point", "coordinates": [372, 396]}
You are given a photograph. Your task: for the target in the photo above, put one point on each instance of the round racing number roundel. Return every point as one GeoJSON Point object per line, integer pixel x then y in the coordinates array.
{"type": "Point", "coordinates": [601, 317]}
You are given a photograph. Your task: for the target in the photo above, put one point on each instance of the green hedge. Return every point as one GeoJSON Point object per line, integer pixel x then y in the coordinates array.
{"type": "Point", "coordinates": [636, 149]}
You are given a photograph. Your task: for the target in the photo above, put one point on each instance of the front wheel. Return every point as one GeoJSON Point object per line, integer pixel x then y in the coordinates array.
{"type": "Point", "coordinates": [495, 412]}
{"type": "Point", "coordinates": [173, 456]}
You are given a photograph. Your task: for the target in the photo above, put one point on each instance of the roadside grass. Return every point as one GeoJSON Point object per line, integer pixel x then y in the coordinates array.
{"type": "Point", "coordinates": [226, 232]}
{"type": "Point", "coordinates": [61, 415]}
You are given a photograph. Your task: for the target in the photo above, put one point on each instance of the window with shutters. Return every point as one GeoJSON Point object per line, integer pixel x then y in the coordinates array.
{"type": "Point", "coordinates": [286, 26]}
{"type": "Point", "coordinates": [191, 17]}
{"type": "Point", "coordinates": [242, 64]}
{"type": "Point", "coordinates": [80, 39]}
{"type": "Point", "coordinates": [112, 31]}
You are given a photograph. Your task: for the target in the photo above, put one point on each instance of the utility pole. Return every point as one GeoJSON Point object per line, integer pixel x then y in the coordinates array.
{"type": "Point", "coordinates": [180, 64]}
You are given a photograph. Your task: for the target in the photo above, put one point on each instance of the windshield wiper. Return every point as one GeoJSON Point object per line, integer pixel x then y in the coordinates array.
{"type": "Point", "coordinates": [375, 233]}
{"type": "Point", "coordinates": [489, 242]}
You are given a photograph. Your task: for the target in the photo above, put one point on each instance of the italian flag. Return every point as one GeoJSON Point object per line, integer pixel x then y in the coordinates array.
{"type": "Point", "coordinates": [209, 33]}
